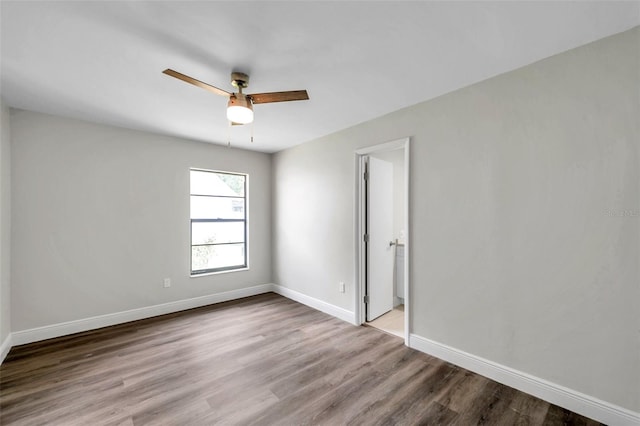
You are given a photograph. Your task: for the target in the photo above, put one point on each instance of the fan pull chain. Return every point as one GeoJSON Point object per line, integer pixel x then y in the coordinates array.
{"type": "Point", "coordinates": [252, 132]}
{"type": "Point", "coordinates": [229, 135]}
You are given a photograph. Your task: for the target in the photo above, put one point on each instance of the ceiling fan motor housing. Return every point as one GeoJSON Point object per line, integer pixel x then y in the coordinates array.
{"type": "Point", "coordinates": [239, 79]}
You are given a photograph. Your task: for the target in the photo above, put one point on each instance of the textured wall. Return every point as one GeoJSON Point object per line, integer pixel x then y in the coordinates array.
{"type": "Point", "coordinates": [524, 216]}
{"type": "Point", "coordinates": [101, 216]}
{"type": "Point", "coordinates": [5, 223]}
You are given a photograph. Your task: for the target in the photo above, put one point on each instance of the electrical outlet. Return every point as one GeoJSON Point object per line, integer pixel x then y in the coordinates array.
{"type": "Point", "coordinates": [167, 282]}
{"type": "Point", "coordinates": [341, 286]}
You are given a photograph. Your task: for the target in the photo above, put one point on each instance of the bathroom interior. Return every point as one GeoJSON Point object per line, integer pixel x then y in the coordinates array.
{"type": "Point", "coordinates": [392, 322]}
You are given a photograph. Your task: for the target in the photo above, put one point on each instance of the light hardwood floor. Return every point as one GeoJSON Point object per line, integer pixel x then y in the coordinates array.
{"type": "Point", "coordinates": [263, 360]}
{"type": "Point", "coordinates": [392, 322]}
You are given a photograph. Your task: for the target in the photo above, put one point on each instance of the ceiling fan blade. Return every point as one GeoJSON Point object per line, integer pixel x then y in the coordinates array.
{"type": "Point", "coordinates": [195, 82]}
{"type": "Point", "coordinates": [293, 95]}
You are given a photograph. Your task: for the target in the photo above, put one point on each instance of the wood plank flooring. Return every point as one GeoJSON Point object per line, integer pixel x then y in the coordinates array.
{"type": "Point", "coordinates": [263, 360]}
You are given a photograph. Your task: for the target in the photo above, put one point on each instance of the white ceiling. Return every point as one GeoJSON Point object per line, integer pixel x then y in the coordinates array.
{"type": "Point", "coordinates": [102, 61]}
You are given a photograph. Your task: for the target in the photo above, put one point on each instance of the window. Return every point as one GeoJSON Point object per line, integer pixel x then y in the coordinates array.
{"type": "Point", "coordinates": [218, 221]}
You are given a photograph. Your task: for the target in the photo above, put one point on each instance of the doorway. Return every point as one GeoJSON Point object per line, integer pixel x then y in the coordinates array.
{"type": "Point", "coordinates": [382, 296]}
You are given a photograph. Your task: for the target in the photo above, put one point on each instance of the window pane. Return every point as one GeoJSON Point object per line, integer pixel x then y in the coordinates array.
{"type": "Point", "coordinates": [210, 183]}
{"type": "Point", "coordinates": [235, 182]}
{"type": "Point", "coordinates": [218, 245]}
{"type": "Point", "coordinates": [217, 256]}
{"type": "Point", "coordinates": [217, 232]}
{"type": "Point", "coordinates": [216, 208]}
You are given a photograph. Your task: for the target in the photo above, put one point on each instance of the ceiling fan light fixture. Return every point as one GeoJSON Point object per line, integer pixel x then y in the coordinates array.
{"type": "Point", "coordinates": [240, 106]}
{"type": "Point", "coordinates": [240, 109]}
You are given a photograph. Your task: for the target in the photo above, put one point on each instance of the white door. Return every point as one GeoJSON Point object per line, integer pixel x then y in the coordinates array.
{"type": "Point", "coordinates": [380, 253]}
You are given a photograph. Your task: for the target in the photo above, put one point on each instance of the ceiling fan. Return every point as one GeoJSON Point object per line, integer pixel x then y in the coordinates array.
{"type": "Point", "coordinates": [240, 105]}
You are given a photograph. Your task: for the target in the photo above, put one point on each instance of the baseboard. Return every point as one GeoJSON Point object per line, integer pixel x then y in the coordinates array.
{"type": "Point", "coordinates": [559, 395]}
{"type": "Point", "coordinates": [63, 329]}
{"type": "Point", "coordinates": [314, 303]}
{"type": "Point", "coordinates": [5, 347]}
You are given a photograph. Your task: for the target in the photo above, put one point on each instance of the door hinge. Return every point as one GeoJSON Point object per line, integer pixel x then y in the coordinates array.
{"type": "Point", "coordinates": [366, 238]}
{"type": "Point", "coordinates": [366, 299]}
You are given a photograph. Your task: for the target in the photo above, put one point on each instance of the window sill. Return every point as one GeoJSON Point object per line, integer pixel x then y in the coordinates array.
{"type": "Point", "coordinates": [219, 272]}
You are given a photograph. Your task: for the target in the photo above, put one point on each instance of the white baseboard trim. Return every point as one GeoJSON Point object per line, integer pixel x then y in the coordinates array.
{"type": "Point", "coordinates": [318, 304]}
{"type": "Point", "coordinates": [63, 329]}
{"type": "Point", "coordinates": [559, 395]}
{"type": "Point", "coordinates": [70, 327]}
{"type": "Point", "coordinates": [5, 347]}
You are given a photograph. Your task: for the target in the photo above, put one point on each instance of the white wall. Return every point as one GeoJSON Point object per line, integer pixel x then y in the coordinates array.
{"type": "Point", "coordinates": [101, 216]}
{"type": "Point", "coordinates": [521, 253]}
{"type": "Point", "coordinates": [396, 158]}
{"type": "Point", "coordinates": [5, 224]}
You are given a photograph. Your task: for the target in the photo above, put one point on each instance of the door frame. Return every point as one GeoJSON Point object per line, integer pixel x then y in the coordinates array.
{"type": "Point", "coordinates": [360, 222]}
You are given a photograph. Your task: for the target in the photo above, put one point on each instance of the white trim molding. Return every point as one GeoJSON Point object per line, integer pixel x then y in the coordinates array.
{"type": "Point", "coordinates": [5, 347]}
{"type": "Point", "coordinates": [318, 304]}
{"type": "Point", "coordinates": [92, 323]}
{"type": "Point", "coordinates": [575, 401]}
{"type": "Point", "coordinates": [63, 329]}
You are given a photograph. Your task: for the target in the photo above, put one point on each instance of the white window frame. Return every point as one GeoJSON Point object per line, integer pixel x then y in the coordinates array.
{"type": "Point", "coordinates": [226, 269]}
